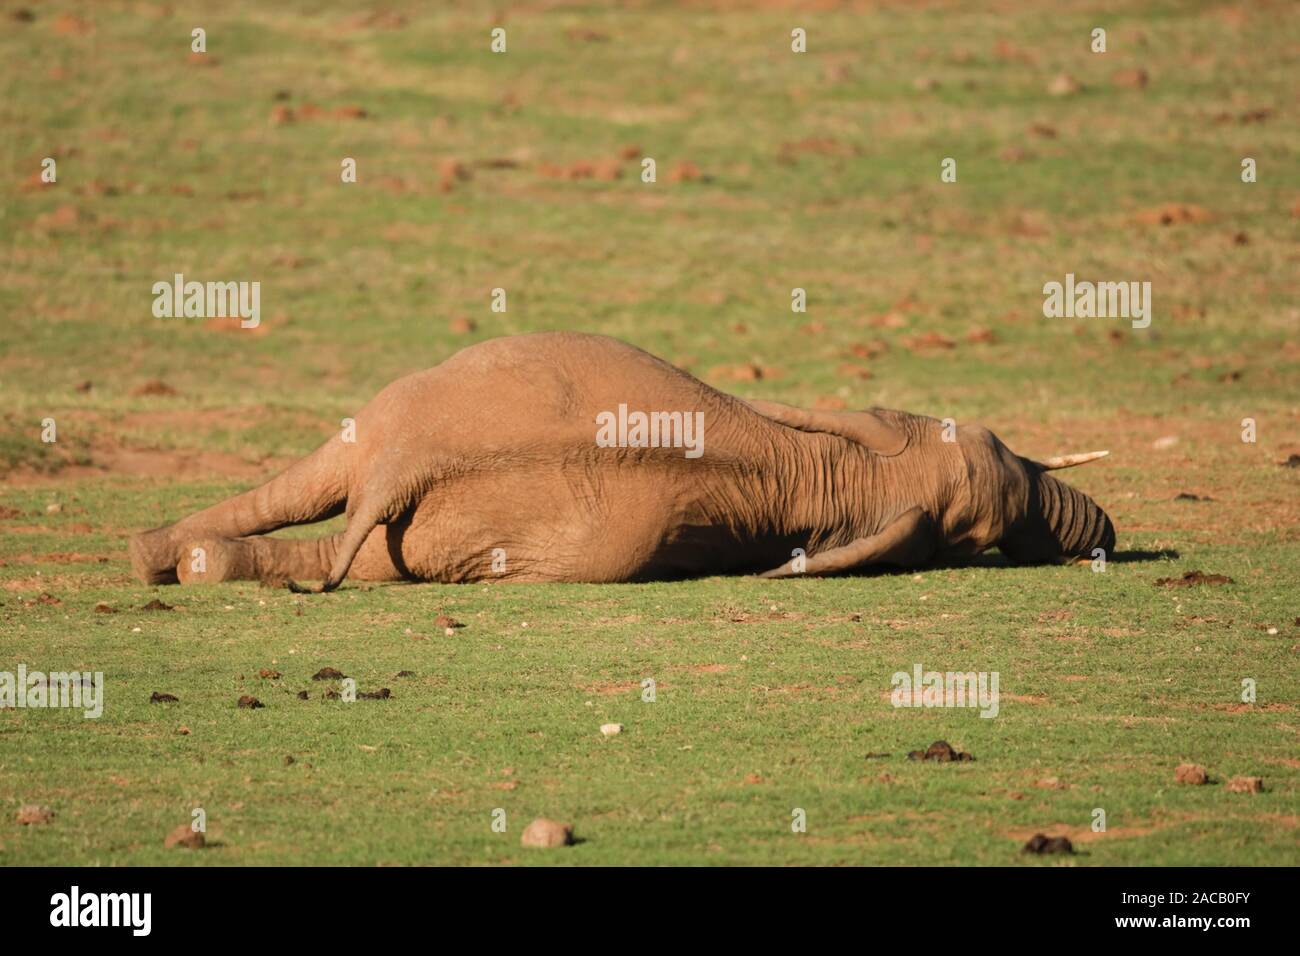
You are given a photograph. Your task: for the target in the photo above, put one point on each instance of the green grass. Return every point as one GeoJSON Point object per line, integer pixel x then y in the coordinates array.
{"type": "Point", "coordinates": [1108, 682]}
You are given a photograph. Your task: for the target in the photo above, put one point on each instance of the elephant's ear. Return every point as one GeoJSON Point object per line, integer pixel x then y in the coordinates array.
{"type": "Point", "coordinates": [866, 428]}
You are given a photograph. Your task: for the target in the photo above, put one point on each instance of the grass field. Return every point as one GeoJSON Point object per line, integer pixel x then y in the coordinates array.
{"type": "Point", "coordinates": [775, 170]}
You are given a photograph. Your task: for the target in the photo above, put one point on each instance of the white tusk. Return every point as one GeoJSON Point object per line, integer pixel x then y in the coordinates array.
{"type": "Point", "coordinates": [1067, 461]}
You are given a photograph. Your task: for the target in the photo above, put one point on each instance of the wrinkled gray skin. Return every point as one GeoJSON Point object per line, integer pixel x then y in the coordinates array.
{"type": "Point", "coordinates": [496, 449]}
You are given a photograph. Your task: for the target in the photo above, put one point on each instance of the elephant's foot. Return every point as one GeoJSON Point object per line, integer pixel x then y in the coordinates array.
{"type": "Point", "coordinates": [162, 556]}
{"type": "Point", "coordinates": [154, 556]}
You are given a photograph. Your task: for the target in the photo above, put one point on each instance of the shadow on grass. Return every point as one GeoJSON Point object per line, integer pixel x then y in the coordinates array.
{"type": "Point", "coordinates": [995, 559]}
{"type": "Point", "coordinates": [1132, 557]}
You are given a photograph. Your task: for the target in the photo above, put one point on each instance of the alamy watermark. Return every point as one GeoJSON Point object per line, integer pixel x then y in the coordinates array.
{"type": "Point", "coordinates": [922, 688]}
{"type": "Point", "coordinates": [75, 690]}
{"type": "Point", "coordinates": [651, 430]}
{"type": "Point", "coordinates": [1098, 300]}
{"type": "Point", "coordinates": [208, 300]}
{"type": "Point", "coordinates": [74, 908]}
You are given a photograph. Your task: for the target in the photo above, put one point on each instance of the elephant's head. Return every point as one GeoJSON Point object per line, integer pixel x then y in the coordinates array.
{"type": "Point", "coordinates": [1016, 505]}
{"type": "Point", "coordinates": [1057, 522]}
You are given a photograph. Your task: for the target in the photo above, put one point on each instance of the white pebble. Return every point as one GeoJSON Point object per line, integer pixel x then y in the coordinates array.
{"type": "Point", "coordinates": [609, 730]}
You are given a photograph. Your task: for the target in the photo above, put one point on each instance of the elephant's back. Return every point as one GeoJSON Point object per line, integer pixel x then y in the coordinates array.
{"type": "Point", "coordinates": [545, 388]}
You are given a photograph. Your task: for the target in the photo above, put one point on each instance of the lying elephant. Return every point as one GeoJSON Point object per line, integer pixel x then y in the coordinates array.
{"type": "Point", "coordinates": [518, 459]}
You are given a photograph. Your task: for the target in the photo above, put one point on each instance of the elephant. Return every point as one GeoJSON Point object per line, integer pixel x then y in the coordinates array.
{"type": "Point", "coordinates": [573, 457]}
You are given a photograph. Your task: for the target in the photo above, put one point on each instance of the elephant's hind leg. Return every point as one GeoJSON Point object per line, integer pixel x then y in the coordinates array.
{"type": "Point", "coordinates": [280, 560]}
{"type": "Point", "coordinates": [312, 489]}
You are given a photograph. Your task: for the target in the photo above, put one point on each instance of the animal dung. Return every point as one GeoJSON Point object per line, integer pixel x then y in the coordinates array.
{"type": "Point", "coordinates": [939, 752]}
{"type": "Point", "coordinates": [1191, 578]}
{"type": "Point", "coordinates": [609, 730]}
{"type": "Point", "coordinates": [184, 836]}
{"type": "Point", "coordinates": [1246, 785]}
{"type": "Point", "coordinates": [160, 698]}
{"type": "Point", "coordinates": [250, 703]}
{"type": "Point", "coordinates": [1040, 843]}
{"type": "Point", "coordinates": [1191, 773]}
{"type": "Point", "coordinates": [328, 673]}
{"type": "Point", "coordinates": [546, 834]}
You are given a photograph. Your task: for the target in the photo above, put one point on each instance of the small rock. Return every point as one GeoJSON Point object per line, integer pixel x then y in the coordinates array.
{"type": "Point", "coordinates": [1246, 785]}
{"type": "Point", "coordinates": [546, 834]}
{"type": "Point", "coordinates": [33, 814]}
{"type": "Point", "coordinates": [609, 730]}
{"type": "Point", "coordinates": [1191, 773]}
{"type": "Point", "coordinates": [1064, 85]}
{"type": "Point", "coordinates": [250, 703]}
{"type": "Point", "coordinates": [184, 836]}
{"type": "Point", "coordinates": [53, 509]}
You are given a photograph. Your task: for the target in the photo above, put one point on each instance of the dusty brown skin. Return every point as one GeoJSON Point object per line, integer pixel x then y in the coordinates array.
{"type": "Point", "coordinates": [496, 449]}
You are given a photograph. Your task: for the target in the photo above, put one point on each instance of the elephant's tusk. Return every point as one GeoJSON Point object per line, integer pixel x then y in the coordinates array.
{"type": "Point", "coordinates": [1068, 461]}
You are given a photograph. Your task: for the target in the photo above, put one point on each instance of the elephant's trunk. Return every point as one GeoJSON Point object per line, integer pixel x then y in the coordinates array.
{"type": "Point", "coordinates": [1074, 520]}
{"type": "Point", "coordinates": [1060, 523]}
